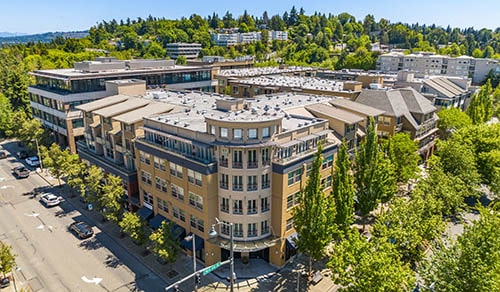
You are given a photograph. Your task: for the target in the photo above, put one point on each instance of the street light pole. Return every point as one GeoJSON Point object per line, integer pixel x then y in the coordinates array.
{"type": "Point", "coordinates": [39, 156]}
{"type": "Point", "coordinates": [231, 248]}
{"type": "Point", "coordinates": [193, 240]}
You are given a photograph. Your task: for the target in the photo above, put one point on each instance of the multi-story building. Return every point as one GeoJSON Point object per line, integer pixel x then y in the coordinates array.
{"type": "Point", "coordinates": [405, 110]}
{"type": "Point", "coordinates": [111, 125]}
{"type": "Point", "coordinates": [235, 38]}
{"type": "Point", "coordinates": [254, 86]}
{"type": "Point", "coordinates": [428, 63]}
{"type": "Point", "coordinates": [57, 92]}
{"type": "Point", "coordinates": [188, 50]}
{"type": "Point", "coordinates": [243, 162]}
{"type": "Point", "coordinates": [278, 35]}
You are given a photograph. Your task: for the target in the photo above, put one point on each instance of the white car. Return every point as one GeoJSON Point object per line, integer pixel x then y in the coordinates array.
{"type": "Point", "coordinates": [50, 200]}
{"type": "Point", "coordinates": [33, 161]}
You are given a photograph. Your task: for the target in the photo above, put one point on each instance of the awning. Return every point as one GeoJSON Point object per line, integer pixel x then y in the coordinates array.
{"type": "Point", "coordinates": [290, 241]}
{"type": "Point", "coordinates": [155, 223]}
{"type": "Point", "coordinates": [246, 246]}
{"type": "Point", "coordinates": [199, 243]}
{"type": "Point", "coordinates": [144, 213]}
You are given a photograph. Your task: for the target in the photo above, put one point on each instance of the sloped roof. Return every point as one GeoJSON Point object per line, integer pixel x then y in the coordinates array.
{"type": "Point", "coordinates": [334, 113]}
{"type": "Point", "coordinates": [416, 102]}
{"type": "Point", "coordinates": [356, 106]}
{"type": "Point", "coordinates": [103, 102]}
{"type": "Point", "coordinates": [121, 107]}
{"type": "Point", "coordinates": [444, 86]}
{"type": "Point", "coordinates": [138, 114]}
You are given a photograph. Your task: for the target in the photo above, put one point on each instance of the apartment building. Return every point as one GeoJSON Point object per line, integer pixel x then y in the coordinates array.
{"type": "Point", "coordinates": [405, 110]}
{"type": "Point", "coordinates": [428, 63]}
{"type": "Point", "coordinates": [56, 93]}
{"type": "Point", "coordinates": [278, 35]}
{"type": "Point", "coordinates": [188, 50]}
{"type": "Point", "coordinates": [111, 125]}
{"type": "Point", "coordinates": [254, 86]}
{"type": "Point", "coordinates": [241, 161]}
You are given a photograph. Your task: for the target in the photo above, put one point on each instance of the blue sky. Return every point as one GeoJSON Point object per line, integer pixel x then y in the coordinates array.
{"type": "Point", "coordinates": [35, 16]}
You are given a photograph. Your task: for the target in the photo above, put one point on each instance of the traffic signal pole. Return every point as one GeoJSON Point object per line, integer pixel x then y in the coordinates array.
{"type": "Point", "coordinates": [199, 273]}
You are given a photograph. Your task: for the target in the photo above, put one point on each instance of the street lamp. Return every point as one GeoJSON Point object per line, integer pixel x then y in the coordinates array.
{"type": "Point", "coordinates": [213, 233]}
{"type": "Point", "coordinates": [192, 239]}
{"type": "Point", "coordinates": [39, 156]}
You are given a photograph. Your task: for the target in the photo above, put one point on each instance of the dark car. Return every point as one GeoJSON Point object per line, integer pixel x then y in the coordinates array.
{"type": "Point", "coordinates": [5, 282]}
{"type": "Point", "coordinates": [22, 154]}
{"type": "Point", "coordinates": [21, 171]}
{"type": "Point", "coordinates": [3, 154]}
{"type": "Point", "coordinates": [81, 229]}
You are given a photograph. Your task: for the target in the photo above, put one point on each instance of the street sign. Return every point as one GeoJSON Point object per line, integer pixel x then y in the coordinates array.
{"type": "Point", "coordinates": [211, 268]}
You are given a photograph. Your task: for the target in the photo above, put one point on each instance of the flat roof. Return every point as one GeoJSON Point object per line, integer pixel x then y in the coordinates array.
{"type": "Point", "coordinates": [258, 71]}
{"type": "Point", "coordinates": [295, 82]}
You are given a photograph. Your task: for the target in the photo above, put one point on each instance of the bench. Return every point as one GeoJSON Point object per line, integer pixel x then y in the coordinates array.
{"type": "Point", "coordinates": [317, 278]}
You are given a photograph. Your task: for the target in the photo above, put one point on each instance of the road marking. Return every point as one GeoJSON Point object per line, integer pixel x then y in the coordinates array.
{"type": "Point", "coordinates": [40, 227]}
{"type": "Point", "coordinates": [6, 187]}
{"type": "Point", "coordinates": [31, 215]}
{"type": "Point", "coordinates": [93, 280]}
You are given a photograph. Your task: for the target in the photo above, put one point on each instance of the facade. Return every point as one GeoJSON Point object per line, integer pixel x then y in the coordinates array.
{"type": "Point", "coordinates": [278, 35]}
{"type": "Point", "coordinates": [56, 93]}
{"type": "Point", "coordinates": [251, 87]}
{"type": "Point", "coordinates": [243, 162]}
{"type": "Point", "coordinates": [405, 110]}
{"type": "Point", "coordinates": [188, 50]}
{"type": "Point", "coordinates": [236, 38]}
{"type": "Point", "coordinates": [427, 63]}
{"type": "Point", "coordinates": [111, 125]}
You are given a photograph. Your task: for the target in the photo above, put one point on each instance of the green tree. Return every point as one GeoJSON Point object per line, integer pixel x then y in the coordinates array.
{"type": "Point", "coordinates": [181, 60]}
{"type": "Point", "coordinates": [135, 227]}
{"type": "Point", "coordinates": [359, 264]}
{"type": "Point", "coordinates": [55, 159]}
{"type": "Point", "coordinates": [31, 131]}
{"type": "Point", "coordinates": [5, 116]}
{"type": "Point", "coordinates": [480, 109]}
{"type": "Point", "coordinates": [472, 262]}
{"type": "Point", "coordinates": [373, 174]}
{"type": "Point", "coordinates": [403, 153]}
{"type": "Point", "coordinates": [343, 190]}
{"type": "Point", "coordinates": [75, 171]}
{"type": "Point", "coordinates": [7, 258]}
{"type": "Point", "coordinates": [313, 217]}
{"type": "Point", "coordinates": [164, 245]}
{"type": "Point", "coordinates": [450, 120]}
{"type": "Point", "coordinates": [93, 183]}
{"type": "Point", "coordinates": [112, 193]}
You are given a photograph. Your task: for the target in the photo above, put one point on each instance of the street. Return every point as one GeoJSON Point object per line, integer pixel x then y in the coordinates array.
{"type": "Point", "coordinates": [49, 257]}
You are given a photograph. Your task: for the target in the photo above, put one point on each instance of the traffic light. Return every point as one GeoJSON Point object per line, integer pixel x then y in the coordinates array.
{"type": "Point", "coordinates": [198, 278]}
{"type": "Point", "coordinates": [176, 288]}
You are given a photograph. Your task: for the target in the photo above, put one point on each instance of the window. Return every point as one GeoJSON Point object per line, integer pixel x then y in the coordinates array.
{"type": "Point", "coordinates": [224, 206]}
{"type": "Point", "coordinates": [237, 159]}
{"type": "Point", "coordinates": [144, 157]}
{"type": "Point", "coordinates": [147, 197]}
{"type": "Point", "coordinates": [238, 207]}
{"type": "Point", "coordinates": [252, 230]}
{"type": "Point", "coordinates": [177, 192]}
{"type": "Point", "coordinates": [176, 170]}
{"type": "Point", "coordinates": [252, 183]}
{"type": "Point", "coordinates": [308, 169]}
{"type": "Point", "coordinates": [162, 204]}
{"type": "Point", "coordinates": [194, 177]}
{"type": "Point", "coordinates": [159, 163]}
{"type": "Point", "coordinates": [237, 183]}
{"type": "Point", "coordinates": [224, 181]}
{"type": "Point", "coordinates": [252, 207]}
{"type": "Point", "coordinates": [294, 176]}
{"type": "Point", "coordinates": [237, 134]}
{"type": "Point", "coordinates": [264, 204]}
{"type": "Point", "coordinates": [326, 182]}
{"type": "Point", "coordinates": [182, 215]}
{"type": "Point", "coordinates": [289, 201]}
{"type": "Point", "coordinates": [161, 184]}
{"type": "Point", "coordinates": [265, 156]}
{"type": "Point", "coordinates": [146, 177]}
{"type": "Point", "coordinates": [223, 132]}
{"type": "Point", "coordinates": [293, 200]}
{"type": "Point", "coordinates": [196, 201]}
{"type": "Point", "coordinates": [264, 227]}
{"type": "Point", "coordinates": [327, 162]}
{"type": "Point", "coordinates": [265, 181]}
{"type": "Point", "coordinates": [238, 230]}
{"type": "Point", "coordinates": [212, 130]}
{"type": "Point", "coordinates": [289, 224]}
{"type": "Point", "coordinates": [175, 212]}
{"type": "Point", "coordinates": [252, 133]}
{"type": "Point", "coordinates": [265, 132]}
{"type": "Point", "coordinates": [252, 159]}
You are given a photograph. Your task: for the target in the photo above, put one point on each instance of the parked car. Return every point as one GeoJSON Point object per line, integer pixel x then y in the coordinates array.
{"type": "Point", "coordinates": [50, 200]}
{"type": "Point", "coordinates": [5, 282]}
{"type": "Point", "coordinates": [3, 154]}
{"type": "Point", "coordinates": [81, 229]}
{"type": "Point", "coordinates": [33, 161]}
{"type": "Point", "coordinates": [21, 171]}
{"type": "Point", "coordinates": [22, 154]}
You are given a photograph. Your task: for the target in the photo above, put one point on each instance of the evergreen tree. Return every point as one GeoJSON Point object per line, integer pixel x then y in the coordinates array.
{"type": "Point", "coordinates": [343, 190]}
{"type": "Point", "coordinates": [313, 217]}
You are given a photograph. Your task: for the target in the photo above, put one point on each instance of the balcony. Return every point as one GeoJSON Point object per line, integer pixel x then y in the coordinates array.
{"type": "Point", "coordinates": [223, 163]}
{"type": "Point", "coordinates": [237, 164]}
{"type": "Point", "coordinates": [224, 185]}
{"type": "Point", "coordinates": [266, 162]}
{"type": "Point", "coordinates": [252, 211]}
{"type": "Point", "coordinates": [251, 187]}
{"type": "Point", "coordinates": [238, 187]}
{"type": "Point", "coordinates": [265, 208]}
{"type": "Point", "coordinates": [238, 211]}
{"type": "Point", "coordinates": [224, 208]}
{"type": "Point", "coordinates": [266, 185]}
{"type": "Point", "coordinates": [252, 164]}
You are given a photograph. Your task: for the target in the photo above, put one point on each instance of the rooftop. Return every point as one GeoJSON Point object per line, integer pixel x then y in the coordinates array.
{"type": "Point", "coordinates": [295, 82]}
{"type": "Point", "coordinates": [258, 71]}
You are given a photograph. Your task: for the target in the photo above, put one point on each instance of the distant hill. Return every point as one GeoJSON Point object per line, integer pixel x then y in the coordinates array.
{"type": "Point", "coordinates": [5, 34]}
{"type": "Point", "coordinates": [44, 37]}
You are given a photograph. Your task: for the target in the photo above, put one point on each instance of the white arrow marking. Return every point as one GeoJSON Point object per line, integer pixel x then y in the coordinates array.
{"type": "Point", "coordinates": [41, 227]}
{"type": "Point", "coordinates": [32, 215]}
{"type": "Point", "coordinates": [6, 187]}
{"type": "Point", "coordinates": [94, 280]}
{"type": "Point", "coordinates": [2, 178]}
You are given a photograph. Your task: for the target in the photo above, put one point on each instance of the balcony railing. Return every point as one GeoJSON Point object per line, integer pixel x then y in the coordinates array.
{"type": "Point", "coordinates": [265, 208]}
{"type": "Point", "coordinates": [252, 233]}
{"type": "Point", "coordinates": [266, 162]}
{"type": "Point", "coordinates": [237, 164]}
{"type": "Point", "coordinates": [223, 163]}
{"type": "Point", "coordinates": [224, 209]}
{"type": "Point", "coordinates": [252, 187]}
{"type": "Point", "coordinates": [252, 164]}
{"type": "Point", "coordinates": [251, 211]}
{"type": "Point", "coordinates": [266, 185]}
{"type": "Point", "coordinates": [237, 187]}
{"type": "Point", "coordinates": [238, 211]}
{"type": "Point", "coordinates": [224, 185]}
{"type": "Point", "coordinates": [265, 231]}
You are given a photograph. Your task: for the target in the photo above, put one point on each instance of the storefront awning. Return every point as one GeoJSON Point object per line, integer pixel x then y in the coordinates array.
{"type": "Point", "coordinates": [246, 246]}
{"type": "Point", "coordinates": [199, 243]}
{"type": "Point", "coordinates": [155, 223]}
{"type": "Point", "coordinates": [145, 213]}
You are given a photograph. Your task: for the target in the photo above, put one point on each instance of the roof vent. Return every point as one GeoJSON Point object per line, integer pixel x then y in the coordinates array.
{"type": "Point", "coordinates": [186, 124]}
{"type": "Point", "coordinates": [299, 125]}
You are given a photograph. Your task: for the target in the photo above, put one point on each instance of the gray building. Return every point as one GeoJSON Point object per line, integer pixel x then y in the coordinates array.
{"type": "Point", "coordinates": [188, 50]}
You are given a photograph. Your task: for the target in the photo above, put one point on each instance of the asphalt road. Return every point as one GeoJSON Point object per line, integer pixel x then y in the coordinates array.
{"type": "Point", "coordinates": [49, 257]}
